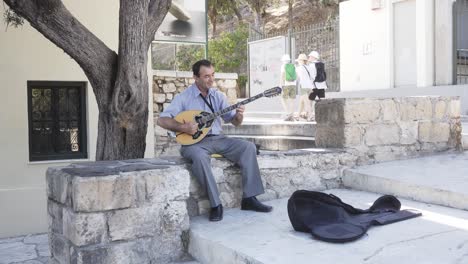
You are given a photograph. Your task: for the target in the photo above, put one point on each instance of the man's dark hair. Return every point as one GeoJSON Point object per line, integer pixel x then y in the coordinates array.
{"type": "Point", "coordinates": [197, 65]}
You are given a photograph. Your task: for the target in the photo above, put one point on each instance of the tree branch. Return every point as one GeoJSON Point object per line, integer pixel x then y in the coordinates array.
{"type": "Point", "coordinates": [157, 11]}
{"type": "Point", "coordinates": [53, 20]}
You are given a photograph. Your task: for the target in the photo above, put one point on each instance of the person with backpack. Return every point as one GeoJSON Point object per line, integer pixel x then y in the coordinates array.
{"type": "Point", "coordinates": [318, 75]}
{"type": "Point", "coordinates": [305, 85]}
{"type": "Point", "coordinates": [288, 84]}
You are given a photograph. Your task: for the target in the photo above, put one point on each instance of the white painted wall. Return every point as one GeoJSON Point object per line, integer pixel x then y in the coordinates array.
{"type": "Point", "coordinates": [26, 55]}
{"type": "Point", "coordinates": [367, 44]}
{"type": "Point", "coordinates": [364, 46]}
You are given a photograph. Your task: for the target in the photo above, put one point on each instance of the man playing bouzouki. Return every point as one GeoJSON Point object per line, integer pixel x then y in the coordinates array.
{"type": "Point", "coordinates": [200, 96]}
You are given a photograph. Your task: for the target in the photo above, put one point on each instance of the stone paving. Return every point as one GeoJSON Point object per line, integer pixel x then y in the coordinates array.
{"type": "Point", "coordinates": [29, 249]}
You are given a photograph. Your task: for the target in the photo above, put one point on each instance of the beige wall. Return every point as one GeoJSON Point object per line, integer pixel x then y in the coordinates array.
{"type": "Point", "coordinates": [26, 55]}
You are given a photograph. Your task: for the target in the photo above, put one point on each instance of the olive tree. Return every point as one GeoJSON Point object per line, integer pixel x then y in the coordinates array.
{"type": "Point", "coordinates": [119, 79]}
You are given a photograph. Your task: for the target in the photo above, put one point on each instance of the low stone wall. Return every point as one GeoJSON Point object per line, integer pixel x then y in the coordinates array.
{"type": "Point", "coordinates": [381, 129]}
{"type": "Point", "coordinates": [118, 212]}
{"type": "Point", "coordinates": [138, 211]}
{"type": "Point", "coordinates": [282, 174]}
{"type": "Point", "coordinates": [166, 85]}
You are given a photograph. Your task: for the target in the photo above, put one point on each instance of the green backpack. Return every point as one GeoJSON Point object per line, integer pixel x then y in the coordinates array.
{"type": "Point", "coordinates": [290, 71]}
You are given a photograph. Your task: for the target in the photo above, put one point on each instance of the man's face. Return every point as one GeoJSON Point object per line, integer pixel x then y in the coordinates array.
{"type": "Point", "coordinates": [206, 78]}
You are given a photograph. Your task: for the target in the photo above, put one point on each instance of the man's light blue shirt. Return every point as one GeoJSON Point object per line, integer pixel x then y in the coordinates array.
{"type": "Point", "coordinates": [191, 99]}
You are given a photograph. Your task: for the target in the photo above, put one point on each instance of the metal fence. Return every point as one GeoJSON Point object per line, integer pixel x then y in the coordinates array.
{"type": "Point", "coordinates": [322, 37]}
{"type": "Point", "coordinates": [461, 12]}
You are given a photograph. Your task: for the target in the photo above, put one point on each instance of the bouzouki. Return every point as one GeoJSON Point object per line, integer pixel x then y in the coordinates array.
{"type": "Point", "coordinates": [205, 119]}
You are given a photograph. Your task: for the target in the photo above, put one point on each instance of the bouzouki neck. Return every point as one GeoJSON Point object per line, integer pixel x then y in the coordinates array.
{"type": "Point", "coordinates": [232, 107]}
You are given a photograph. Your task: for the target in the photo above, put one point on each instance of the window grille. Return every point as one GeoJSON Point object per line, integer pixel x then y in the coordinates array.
{"type": "Point", "coordinates": [57, 120]}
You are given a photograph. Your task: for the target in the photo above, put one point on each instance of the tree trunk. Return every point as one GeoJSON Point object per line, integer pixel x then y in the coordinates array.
{"type": "Point", "coordinates": [120, 82]}
{"type": "Point", "coordinates": [236, 10]}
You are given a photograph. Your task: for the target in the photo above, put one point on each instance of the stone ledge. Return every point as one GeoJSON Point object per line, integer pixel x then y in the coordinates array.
{"type": "Point", "coordinates": [189, 74]}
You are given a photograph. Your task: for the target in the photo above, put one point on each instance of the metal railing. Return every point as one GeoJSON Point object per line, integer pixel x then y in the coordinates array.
{"type": "Point", "coordinates": [322, 37]}
{"type": "Point", "coordinates": [461, 12]}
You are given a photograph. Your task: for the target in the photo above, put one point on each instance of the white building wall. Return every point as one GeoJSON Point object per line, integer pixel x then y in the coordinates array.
{"type": "Point", "coordinates": [364, 46]}
{"type": "Point", "coordinates": [367, 44]}
{"type": "Point", "coordinates": [26, 55]}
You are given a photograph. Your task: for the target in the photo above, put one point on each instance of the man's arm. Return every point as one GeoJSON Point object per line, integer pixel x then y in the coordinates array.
{"type": "Point", "coordinates": [239, 117]}
{"type": "Point", "coordinates": [171, 124]}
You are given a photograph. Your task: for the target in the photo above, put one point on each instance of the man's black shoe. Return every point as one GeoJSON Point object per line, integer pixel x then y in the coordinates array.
{"type": "Point", "coordinates": [216, 213]}
{"type": "Point", "coordinates": [253, 204]}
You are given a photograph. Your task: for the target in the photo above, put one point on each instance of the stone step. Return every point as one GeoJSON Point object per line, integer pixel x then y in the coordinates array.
{"type": "Point", "coordinates": [249, 237]}
{"type": "Point", "coordinates": [441, 179]}
{"type": "Point", "coordinates": [266, 114]}
{"type": "Point", "coordinates": [279, 142]}
{"type": "Point", "coordinates": [306, 129]}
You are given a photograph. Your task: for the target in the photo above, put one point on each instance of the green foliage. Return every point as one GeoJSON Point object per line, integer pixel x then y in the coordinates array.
{"type": "Point", "coordinates": [229, 51]}
{"type": "Point", "coordinates": [187, 55]}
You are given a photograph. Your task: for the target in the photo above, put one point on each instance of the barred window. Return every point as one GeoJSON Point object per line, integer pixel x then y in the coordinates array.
{"type": "Point", "coordinates": [57, 120]}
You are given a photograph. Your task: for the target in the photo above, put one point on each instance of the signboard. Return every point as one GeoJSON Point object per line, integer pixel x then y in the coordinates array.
{"type": "Point", "coordinates": [265, 70]}
{"type": "Point", "coordinates": [185, 22]}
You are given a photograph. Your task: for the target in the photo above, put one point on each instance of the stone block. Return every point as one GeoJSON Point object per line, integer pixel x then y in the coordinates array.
{"type": "Point", "coordinates": [83, 229]}
{"type": "Point", "coordinates": [409, 132]}
{"type": "Point", "coordinates": [454, 108]}
{"type": "Point", "coordinates": [59, 248]}
{"type": "Point", "coordinates": [389, 110]}
{"type": "Point", "coordinates": [159, 97]}
{"type": "Point", "coordinates": [122, 253]}
{"type": "Point", "coordinates": [361, 111]}
{"type": "Point", "coordinates": [416, 108]}
{"type": "Point", "coordinates": [55, 217]}
{"type": "Point", "coordinates": [169, 88]}
{"type": "Point", "coordinates": [167, 184]}
{"type": "Point", "coordinates": [230, 84]}
{"type": "Point", "coordinates": [434, 132]}
{"type": "Point", "coordinates": [174, 217]}
{"type": "Point", "coordinates": [204, 206]}
{"type": "Point", "coordinates": [352, 135]}
{"type": "Point", "coordinates": [330, 136]}
{"type": "Point", "coordinates": [440, 109]}
{"type": "Point", "coordinates": [58, 185]}
{"type": "Point", "coordinates": [275, 162]}
{"type": "Point", "coordinates": [232, 95]}
{"type": "Point", "coordinates": [330, 112]}
{"type": "Point", "coordinates": [128, 224]}
{"type": "Point", "coordinates": [102, 193]}
{"type": "Point", "coordinates": [377, 135]}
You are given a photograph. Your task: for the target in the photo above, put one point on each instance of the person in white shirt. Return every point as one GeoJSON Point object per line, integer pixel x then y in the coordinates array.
{"type": "Point", "coordinates": [305, 85]}
{"type": "Point", "coordinates": [289, 93]}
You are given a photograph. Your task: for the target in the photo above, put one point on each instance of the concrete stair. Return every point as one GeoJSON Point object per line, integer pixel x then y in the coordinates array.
{"type": "Point", "coordinates": [439, 236]}
{"type": "Point", "coordinates": [274, 134]}
{"type": "Point", "coordinates": [441, 179]}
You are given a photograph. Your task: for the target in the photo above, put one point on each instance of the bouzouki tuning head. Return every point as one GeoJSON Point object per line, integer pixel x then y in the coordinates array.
{"type": "Point", "coordinates": [272, 91]}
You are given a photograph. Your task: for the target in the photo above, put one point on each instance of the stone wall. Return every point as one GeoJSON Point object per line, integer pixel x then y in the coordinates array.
{"type": "Point", "coordinates": [137, 211]}
{"type": "Point", "coordinates": [118, 212]}
{"type": "Point", "coordinates": [382, 129]}
{"type": "Point", "coordinates": [166, 85]}
{"type": "Point", "coordinates": [282, 173]}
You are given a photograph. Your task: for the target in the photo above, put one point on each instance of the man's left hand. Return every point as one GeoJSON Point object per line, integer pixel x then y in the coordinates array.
{"type": "Point", "coordinates": [239, 117]}
{"type": "Point", "coordinates": [240, 110]}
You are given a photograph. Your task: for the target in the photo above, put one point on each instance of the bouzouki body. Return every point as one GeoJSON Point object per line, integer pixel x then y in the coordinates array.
{"type": "Point", "coordinates": [205, 120]}
{"type": "Point", "coordinates": [191, 116]}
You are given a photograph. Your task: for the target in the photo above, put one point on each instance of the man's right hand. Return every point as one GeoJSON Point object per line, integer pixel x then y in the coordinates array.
{"type": "Point", "coordinates": [189, 128]}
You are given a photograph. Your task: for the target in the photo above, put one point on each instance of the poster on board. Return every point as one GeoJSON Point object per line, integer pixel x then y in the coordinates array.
{"type": "Point", "coordinates": [185, 22]}
{"type": "Point", "coordinates": [265, 69]}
